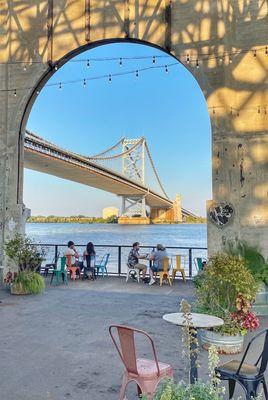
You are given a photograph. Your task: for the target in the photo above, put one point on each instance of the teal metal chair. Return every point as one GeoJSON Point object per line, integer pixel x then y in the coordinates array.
{"type": "Point", "coordinates": [102, 266]}
{"type": "Point", "coordinates": [199, 263]}
{"type": "Point", "coordinates": [60, 271]}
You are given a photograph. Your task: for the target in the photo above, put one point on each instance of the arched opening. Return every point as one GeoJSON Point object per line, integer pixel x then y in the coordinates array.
{"type": "Point", "coordinates": [159, 98]}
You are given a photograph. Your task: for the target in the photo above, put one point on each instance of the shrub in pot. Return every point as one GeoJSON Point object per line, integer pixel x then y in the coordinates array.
{"type": "Point", "coordinates": [27, 259]}
{"type": "Point", "coordinates": [228, 290]}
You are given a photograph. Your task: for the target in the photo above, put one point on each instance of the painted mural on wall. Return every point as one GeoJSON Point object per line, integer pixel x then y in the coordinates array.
{"type": "Point", "coordinates": [221, 214]}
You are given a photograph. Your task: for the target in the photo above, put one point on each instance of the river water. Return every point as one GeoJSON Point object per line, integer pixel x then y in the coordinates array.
{"type": "Point", "coordinates": [181, 235]}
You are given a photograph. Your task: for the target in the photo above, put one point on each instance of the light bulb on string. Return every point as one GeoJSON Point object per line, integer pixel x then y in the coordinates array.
{"type": "Point", "coordinates": [254, 53]}
{"type": "Point", "coordinates": [120, 62]}
{"type": "Point", "coordinates": [137, 74]}
{"type": "Point", "coordinates": [197, 64]}
{"type": "Point", "coordinates": [110, 78]}
{"type": "Point", "coordinates": [15, 92]}
{"type": "Point", "coordinates": [84, 83]}
{"type": "Point", "coordinates": [24, 67]}
{"type": "Point", "coordinates": [154, 60]}
{"type": "Point", "coordinates": [56, 67]}
{"type": "Point", "coordinates": [166, 69]}
{"type": "Point", "coordinates": [60, 86]}
{"type": "Point", "coordinates": [37, 92]}
{"type": "Point", "coordinates": [230, 59]}
{"type": "Point", "coordinates": [188, 59]}
{"type": "Point", "coordinates": [88, 64]}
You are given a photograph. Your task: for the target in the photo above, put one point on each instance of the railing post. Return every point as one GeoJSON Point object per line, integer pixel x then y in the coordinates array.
{"type": "Point", "coordinates": [190, 263]}
{"type": "Point", "coordinates": [119, 260]}
{"type": "Point", "coordinates": [56, 252]}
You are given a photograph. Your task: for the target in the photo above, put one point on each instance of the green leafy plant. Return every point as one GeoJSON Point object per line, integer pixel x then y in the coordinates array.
{"type": "Point", "coordinates": [24, 253]}
{"type": "Point", "coordinates": [225, 278]}
{"type": "Point", "coordinates": [29, 282]}
{"type": "Point", "coordinates": [255, 261]}
{"type": "Point", "coordinates": [26, 256]}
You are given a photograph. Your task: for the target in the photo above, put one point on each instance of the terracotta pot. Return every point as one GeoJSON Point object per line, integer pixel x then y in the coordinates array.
{"type": "Point", "coordinates": [18, 289]}
{"type": "Point", "coordinates": [225, 344]}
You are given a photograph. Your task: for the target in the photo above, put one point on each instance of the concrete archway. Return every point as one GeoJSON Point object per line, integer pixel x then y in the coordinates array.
{"type": "Point", "coordinates": [225, 38]}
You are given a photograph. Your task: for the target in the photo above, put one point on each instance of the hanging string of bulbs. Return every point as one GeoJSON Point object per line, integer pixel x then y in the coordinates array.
{"type": "Point", "coordinates": [261, 109]}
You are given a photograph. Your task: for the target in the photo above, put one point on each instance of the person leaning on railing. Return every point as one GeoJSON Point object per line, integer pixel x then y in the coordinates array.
{"type": "Point", "coordinates": [134, 257]}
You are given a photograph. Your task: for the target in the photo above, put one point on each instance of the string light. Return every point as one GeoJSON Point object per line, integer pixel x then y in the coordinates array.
{"type": "Point", "coordinates": [56, 67]}
{"type": "Point", "coordinates": [15, 93]}
{"type": "Point", "coordinates": [60, 86]}
{"type": "Point", "coordinates": [166, 69]}
{"type": "Point", "coordinates": [88, 64]}
{"type": "Point", "coordinates": [197, 64]}
{"type": "Point", "coordinates": [120, 62]}
{"type": "Point", "coordinates": [84, 83]}
{"type": "Point", "coordinates": [188, 59]}
{"type": "Point", "coordinates": [254, 53]}
{"type": "Point", "coordinates": [137, 74]}
{"type": "Point", "coordinates": [110, 78]}
{"type": "Point", "coordinates": [154, 60]}
{"type": "Point", "coordinates": [24, 67]}
{"type": "Point", "coordinates": [230, 59]}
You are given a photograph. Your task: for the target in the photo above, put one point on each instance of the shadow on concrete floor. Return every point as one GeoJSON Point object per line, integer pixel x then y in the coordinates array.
{"type": "Point", "coordinates": [56, 346]}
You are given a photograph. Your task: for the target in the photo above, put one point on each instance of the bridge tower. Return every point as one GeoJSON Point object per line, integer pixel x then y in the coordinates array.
{"type": "Point", "coordinates": [133, 168]}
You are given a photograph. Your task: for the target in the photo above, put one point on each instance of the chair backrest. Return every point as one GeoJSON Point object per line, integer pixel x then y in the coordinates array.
{"type": "Point", "coordinates": [68, 261]}
{"type": "Point", "coordinates": [105, 259]}
{"type": "Point", "coordinates": [199, 263]}
{"type": "Point", "coordinates": [263, 357]}
{"type": "Point", "coordinates": [125, 345]}
{"type": "Point", "coordinates": [166, 264]}
{"type": "Point", "coordinates": [178, 261]}
{"type": "Point", "coordinates": [62, 263]}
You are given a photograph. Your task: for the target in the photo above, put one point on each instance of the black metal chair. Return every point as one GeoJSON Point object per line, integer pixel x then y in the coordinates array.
{"type": "Point", "coordinates": [247, 375]}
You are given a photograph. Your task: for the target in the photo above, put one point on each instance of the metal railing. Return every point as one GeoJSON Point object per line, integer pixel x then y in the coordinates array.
{"type": "Point", "coordinates": [119, 254]}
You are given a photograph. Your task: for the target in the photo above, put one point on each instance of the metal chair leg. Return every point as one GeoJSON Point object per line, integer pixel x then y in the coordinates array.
{"type": "Point", "coordinates": [265, 389]}
{"type": "Point", "coordinates": [231, 384]}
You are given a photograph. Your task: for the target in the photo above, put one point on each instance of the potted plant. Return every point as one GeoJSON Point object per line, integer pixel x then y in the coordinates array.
{"type": "Point", "coordinates": [26, 259]}
{"type": "Point", "coordinates": [227, 290]}
{"type": "Point", "coordinates": [258, 266]}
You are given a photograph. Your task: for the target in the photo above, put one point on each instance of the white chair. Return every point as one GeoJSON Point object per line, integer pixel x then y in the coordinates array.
{"type": "Point", "coordinates": [129, 269]}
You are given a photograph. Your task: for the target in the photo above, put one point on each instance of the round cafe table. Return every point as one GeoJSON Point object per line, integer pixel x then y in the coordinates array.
{"type": "Point", "coordinates": [197, 321]}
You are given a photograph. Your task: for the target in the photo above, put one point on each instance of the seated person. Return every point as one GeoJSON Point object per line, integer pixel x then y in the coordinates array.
{"type": "Point", "coordinates": [135, 256]}
{"type": "Point", "coordinates": [157, 258]}
{"type": "Point", "coordinates": [74, 257]}
{"type": "Point", "coordinates": [89, 257]}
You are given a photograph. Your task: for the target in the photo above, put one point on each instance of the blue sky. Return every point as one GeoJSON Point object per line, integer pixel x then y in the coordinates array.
{"type": "Point", "coordinates": [167, 108]}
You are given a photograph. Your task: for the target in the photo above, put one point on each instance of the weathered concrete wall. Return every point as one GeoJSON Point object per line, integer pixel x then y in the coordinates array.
{"type": "Point", "coordinates": [45, 31]}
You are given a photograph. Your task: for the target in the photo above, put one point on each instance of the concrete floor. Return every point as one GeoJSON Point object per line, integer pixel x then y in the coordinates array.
{"type": "Point", "coordinates": [56, 346]}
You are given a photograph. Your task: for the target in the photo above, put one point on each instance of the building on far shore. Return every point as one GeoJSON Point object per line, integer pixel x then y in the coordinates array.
{"type": "Point", "coordinates": [110, 212]}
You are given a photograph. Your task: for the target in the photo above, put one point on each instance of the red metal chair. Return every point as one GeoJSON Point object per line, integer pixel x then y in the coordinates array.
{"type": "Point", "coordinates": [146, 373]}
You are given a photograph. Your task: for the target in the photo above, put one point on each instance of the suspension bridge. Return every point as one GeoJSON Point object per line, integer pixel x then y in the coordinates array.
{"type": "Point", "coordinates": [125, 169]}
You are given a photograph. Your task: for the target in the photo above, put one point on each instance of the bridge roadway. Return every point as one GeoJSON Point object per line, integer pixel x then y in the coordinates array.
{"type": "Point", "coordinates": [43, 156]}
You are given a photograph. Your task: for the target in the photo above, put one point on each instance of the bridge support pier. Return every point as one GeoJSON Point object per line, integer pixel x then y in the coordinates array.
{"type": "Point", "coordinates": [170, 215]}
{"type": "Point", "coordinates": [133, 211]}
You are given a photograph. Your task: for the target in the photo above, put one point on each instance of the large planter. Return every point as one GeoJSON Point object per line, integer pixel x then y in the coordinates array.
{"type": "Point", "coordinates": [18, 289]}
{"type": "Point", "coordinates": [225, 344]}
{"type": "Point", "coordinates": [260, 306]}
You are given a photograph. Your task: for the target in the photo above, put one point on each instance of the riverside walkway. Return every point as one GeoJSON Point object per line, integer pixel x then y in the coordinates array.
{"type": "Point", "coordinates": [60, 344]}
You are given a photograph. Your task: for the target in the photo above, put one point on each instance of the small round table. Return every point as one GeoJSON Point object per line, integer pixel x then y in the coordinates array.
{"type": "Point", "coordinates": [197, 321]}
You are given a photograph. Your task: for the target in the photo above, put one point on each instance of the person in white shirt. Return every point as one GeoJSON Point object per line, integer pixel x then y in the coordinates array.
{"type": "Point", "coordinates": [71, 251]}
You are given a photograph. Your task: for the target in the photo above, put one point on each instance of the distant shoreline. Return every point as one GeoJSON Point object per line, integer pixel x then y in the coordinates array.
{"type": "Point", "coordinates": [98, 220]}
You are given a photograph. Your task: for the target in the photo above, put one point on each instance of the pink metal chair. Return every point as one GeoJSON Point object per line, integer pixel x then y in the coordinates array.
{"type": "Point", "coordinates": [146, 373]}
